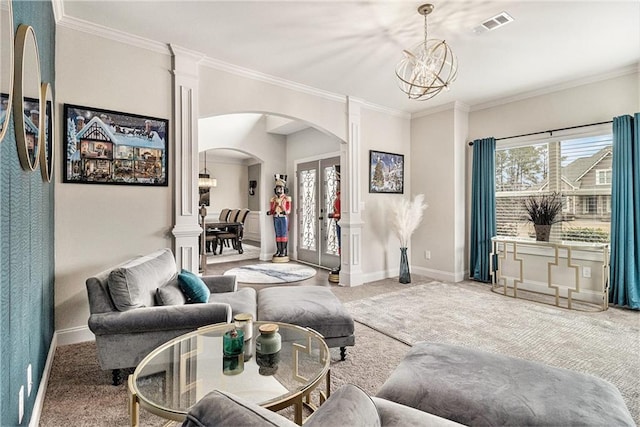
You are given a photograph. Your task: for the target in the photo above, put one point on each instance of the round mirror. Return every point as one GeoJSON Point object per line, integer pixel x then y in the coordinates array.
{"type": "Point", "coordinates": [26, 104]}
{"type": "Point", "coordinates": [47, 126]}
{"type": "Point", "coordinates": [6, 64]}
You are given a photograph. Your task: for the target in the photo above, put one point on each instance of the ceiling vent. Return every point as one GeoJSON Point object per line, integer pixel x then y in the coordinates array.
{"type": "Point", "coordinates": [503, 18]}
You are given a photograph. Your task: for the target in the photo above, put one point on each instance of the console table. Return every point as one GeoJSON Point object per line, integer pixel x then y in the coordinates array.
{"type": "Point", "coordinates": [570, 268]}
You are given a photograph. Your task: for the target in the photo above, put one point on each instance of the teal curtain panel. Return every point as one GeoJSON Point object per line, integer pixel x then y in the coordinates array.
{"type": "Point", "coordinates": [625, 213]}
{"type": "Point", "coordinates": [483, 208]}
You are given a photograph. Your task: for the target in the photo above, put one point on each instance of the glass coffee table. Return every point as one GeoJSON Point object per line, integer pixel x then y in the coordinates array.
{"type": "Point", "coordinates": [173, 377]}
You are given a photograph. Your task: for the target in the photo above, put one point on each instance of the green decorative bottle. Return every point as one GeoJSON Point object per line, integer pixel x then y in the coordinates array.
{"type": "Point", "coordinates": [268, 345]}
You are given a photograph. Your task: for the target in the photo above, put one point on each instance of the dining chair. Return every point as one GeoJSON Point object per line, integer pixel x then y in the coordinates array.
{"type": "Point", "coordinates": [212, 233]}
{"type": "Point", "coordinates": [234, 234]}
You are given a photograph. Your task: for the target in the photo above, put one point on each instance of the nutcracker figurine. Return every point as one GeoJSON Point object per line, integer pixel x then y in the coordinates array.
{"type": "Point", "coordinates": [279, 208]}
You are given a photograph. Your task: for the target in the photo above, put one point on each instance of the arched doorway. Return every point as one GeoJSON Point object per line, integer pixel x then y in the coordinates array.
{"type": "Point", "coordinates": [278, 144]}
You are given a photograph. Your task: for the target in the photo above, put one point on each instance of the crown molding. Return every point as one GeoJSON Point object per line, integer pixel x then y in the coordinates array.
{"type": "Point", "coordinates": [266, 78]}
{"type": "Point", "coordinates": [454, 105]}
{"type": "Point", "coordinates": [630, 69]}
{"type": "Point", "coordinates": [112, 34]}
{"type": "Point", "coordinates": [168, 49]}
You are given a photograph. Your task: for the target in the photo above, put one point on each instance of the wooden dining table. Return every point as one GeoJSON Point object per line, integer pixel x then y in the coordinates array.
{"type": "Point", "coordinates": [212, 225]}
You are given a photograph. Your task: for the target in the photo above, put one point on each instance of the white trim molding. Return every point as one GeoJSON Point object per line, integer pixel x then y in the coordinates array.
{"type": "Point", "coordinates": [185, 118]}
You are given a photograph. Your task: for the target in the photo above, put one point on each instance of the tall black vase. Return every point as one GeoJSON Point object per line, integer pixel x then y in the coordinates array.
{"type": "Point", "coordinates": [405, 275]}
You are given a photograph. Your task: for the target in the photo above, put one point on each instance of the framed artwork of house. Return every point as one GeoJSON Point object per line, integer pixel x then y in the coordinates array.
{"type": "Point", "coordinates": [110, 147]}
{"type": "Point", "coordinates": [386, 172]}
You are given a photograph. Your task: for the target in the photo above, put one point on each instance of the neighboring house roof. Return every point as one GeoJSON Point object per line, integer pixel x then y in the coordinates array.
{"type": "Point", "coordinates": [575, 170]}
{"type": "Point", "coordinates": [151, 140]}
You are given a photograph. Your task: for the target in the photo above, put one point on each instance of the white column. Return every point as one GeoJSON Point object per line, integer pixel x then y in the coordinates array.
{"type": "Point", "coordinates": [351, 217]}
{"type": "Point", "coordinates": [186, 228]}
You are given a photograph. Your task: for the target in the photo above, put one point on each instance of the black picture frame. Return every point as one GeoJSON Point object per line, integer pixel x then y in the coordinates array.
{"type": "Point", "coordinates": [111, 147]}
{"type": "Point", "coordinates": [386, 172]}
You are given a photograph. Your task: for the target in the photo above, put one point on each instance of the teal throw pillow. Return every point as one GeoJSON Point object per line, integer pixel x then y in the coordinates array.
{"type": "Point", "coordinates": [193, 287]}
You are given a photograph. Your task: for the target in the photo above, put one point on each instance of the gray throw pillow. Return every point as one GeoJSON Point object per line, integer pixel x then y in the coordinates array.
{"type": "Point", "coordinates": [134, 284]}
{"type": "Point", "coordinates": [170, 294]}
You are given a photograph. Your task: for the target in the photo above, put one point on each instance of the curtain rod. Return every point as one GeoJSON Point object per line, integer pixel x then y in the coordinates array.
{"type": "Point", "coordinates": [550, 131]}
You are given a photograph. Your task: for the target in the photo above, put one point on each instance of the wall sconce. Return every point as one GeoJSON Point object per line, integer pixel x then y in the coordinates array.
{"type": "Point", "coordinates": [252, 187]}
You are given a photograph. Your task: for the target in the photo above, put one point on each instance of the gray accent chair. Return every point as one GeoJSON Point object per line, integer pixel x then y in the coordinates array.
{"type": "Point", "coordinates": [138, 305]}
{"type": "Point", "coordinates": [474, 387]}
{"type": "Point", "coordinates": [348, 406]}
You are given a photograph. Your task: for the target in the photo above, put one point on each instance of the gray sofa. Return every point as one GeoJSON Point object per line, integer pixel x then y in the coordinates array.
{"type": "Point", "coordinates": [348, 406]}
{"type": "Point", "coordinates": [139, 305]}
{"type": "Point", "coordinates": [443, 385]}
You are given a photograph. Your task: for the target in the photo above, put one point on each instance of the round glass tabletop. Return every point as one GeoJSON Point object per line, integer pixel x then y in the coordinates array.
{"type": "Point", "coordinates": [173, 377]}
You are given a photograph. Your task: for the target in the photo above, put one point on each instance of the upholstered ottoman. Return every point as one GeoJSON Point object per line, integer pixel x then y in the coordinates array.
{"type": "Point", "coordinates": [314, 307]}
{"type": "Point", "coordinates": [474, 387]}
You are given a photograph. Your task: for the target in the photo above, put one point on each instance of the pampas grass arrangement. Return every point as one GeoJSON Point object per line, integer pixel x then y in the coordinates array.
{"type": "Point", "coordinates": [406, 216]}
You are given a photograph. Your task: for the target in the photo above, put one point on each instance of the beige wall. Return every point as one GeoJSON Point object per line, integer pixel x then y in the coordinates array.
{"type": "Point", "coordinates": [589, 103]}
{"type": "Point", "coordinates": [381, 248]}
{"type": "Point", "coordinates": [98, 226]}
{"type": "Point", "coordinates": [437, 160]}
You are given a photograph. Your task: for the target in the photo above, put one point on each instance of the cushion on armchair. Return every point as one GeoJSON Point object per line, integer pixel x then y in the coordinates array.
{"type": "Point", "coordinates": [224, 409]}
{"type": "Point", "coordinates": [170, 294]}
{"type": "Point", "coordinates": [348, 406]}
{"type": "Point", "coordinates": [134, 284]}
{"type": "Point", "coordinates": [193, 287]}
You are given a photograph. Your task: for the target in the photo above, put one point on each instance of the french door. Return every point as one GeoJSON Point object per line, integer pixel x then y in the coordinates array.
{"type": "Point", "coordinates": [318, 184]}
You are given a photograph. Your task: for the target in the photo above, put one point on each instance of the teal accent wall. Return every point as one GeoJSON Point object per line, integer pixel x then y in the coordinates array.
{"type": "Point", "coordinates": [27, 246]}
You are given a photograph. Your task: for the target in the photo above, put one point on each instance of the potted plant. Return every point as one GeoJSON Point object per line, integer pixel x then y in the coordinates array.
{"type": "Point", "coordinates": [544, 211]}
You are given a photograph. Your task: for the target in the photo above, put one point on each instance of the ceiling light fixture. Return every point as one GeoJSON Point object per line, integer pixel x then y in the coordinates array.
{"type": "Point", "coordinates": [429, 67]}
{"type": "Point", "coordinates": [204, 178]}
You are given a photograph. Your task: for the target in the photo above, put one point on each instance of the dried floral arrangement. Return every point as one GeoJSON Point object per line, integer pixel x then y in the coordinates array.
{"type": "Point", "coordinates": [406, 216]}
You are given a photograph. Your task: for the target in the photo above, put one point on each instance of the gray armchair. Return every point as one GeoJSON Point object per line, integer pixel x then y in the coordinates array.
{"type": "Point", "coordinates": [138, 305]}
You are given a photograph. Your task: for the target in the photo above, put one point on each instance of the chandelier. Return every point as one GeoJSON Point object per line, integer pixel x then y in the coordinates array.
{"type": "Point", "coordinates": [204, 178]}
{"type": "Point", "coordinates": [429, 67]}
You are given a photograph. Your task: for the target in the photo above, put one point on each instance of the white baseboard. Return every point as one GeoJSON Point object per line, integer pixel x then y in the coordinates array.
{"type": "Point", "coordinates": [445, 276]}
{"type": "Point", "coordinates": [44, 381]}
{"type": "Point", "coordinates": [64, 337]}
{"type": "Point", "coordinates": [75, 335]}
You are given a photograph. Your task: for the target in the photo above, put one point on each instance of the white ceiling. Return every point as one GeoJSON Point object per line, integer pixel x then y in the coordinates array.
{"type": "Point", "coordinates": [352, 47]}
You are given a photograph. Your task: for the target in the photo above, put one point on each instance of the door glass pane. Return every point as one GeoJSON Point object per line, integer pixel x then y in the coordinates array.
{"type": "Point", "coordinates": [330, 190]}
{"type": "Point", "coordinates": [308, 183]}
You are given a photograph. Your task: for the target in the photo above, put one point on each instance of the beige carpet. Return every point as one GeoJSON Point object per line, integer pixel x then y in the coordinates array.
{"type": "Point", "coordinates": [80, 394]}
{"type": "Point", "coordinates": [604, 344]}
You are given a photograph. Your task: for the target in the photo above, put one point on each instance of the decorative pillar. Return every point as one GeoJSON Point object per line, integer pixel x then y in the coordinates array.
{"type": "Point", "coordinates": [186, 228]}
{"type": "Point", "coordinates": [351, 217]}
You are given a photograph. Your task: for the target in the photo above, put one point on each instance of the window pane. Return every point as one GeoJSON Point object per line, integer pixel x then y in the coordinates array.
{"type": "Point", "coordinates": [578, 169]}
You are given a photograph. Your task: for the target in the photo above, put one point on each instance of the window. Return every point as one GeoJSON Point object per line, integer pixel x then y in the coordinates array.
{"type": "Point", "coordinates": [579, 169]}
{"type": "Point", "coordinates": [603, 177]}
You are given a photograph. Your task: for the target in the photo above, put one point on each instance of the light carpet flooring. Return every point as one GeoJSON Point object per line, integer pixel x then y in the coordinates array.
{"type": "Point", "coordinates": [80, 394]}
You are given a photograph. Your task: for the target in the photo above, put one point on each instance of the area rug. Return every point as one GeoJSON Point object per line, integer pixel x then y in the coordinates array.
{"type": "Point", "coordinates": [230, 254]}
{"type": "Point", "coordinates": [604, 344]}
{"type": "Point", "coordinates": [271, 273]}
